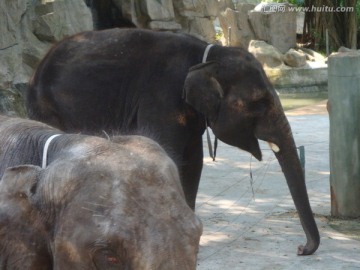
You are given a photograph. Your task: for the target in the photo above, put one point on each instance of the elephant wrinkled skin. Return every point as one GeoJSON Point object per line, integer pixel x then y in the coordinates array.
{"type": "Point", "coordinates": [132, 79]}
{"type": "Point", "coordinates": [99, 204]}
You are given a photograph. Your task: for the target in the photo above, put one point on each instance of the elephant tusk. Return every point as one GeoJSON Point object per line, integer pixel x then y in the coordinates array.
{"type": "Point", "coordinates": [274, 147]}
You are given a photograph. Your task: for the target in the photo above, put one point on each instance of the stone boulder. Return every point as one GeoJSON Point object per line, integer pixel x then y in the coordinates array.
{"type": "Point", "coordinates": [275, 24]}
{"type": "Point", "coordinates": [237, 21]}
{"type": "Point", "coordinates": [28, 28]}
{"type": "Point", "coordinates": [295, 58]}
{"type": "Point", "coordinates": [294, 80]}
{"type": "Point", "coordinates": [224, 4]}
{"type": "Point", "coordinates": [152, 14]}
{"type": "Point", "coordinates": [202, 28]}
{"type": "Point", "coordinates": [254, 2]}
{"type": "Point", "coordinates": [266, 54]}
{"type": "Point", "coordinates": [197, 17]}
{"type": "Point", "coordinates": [312, 55]}
{"type": "Point", "coordinates": [196, 8]}
{"type": "Point", "coordinates": [57, 19]}
{"type": "Point", "coordinates": [344, 49]}
{"type": "Point", "coordinates": [159, 10]}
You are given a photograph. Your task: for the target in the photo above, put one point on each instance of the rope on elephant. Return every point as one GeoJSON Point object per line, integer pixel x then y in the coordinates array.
{"type": "Point", "coordinates": [266, 166]}
{"type": "Point", "coordinates": [252, 179]}
{"type": "Point", "coordinates": [257, 181]}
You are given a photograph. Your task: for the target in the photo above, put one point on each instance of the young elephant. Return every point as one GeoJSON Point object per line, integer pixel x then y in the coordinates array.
{"type": "Point", "coordinates": [96, 205]}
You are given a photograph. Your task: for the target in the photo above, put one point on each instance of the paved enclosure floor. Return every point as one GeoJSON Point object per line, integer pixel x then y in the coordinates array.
{"type": "Point", "coordinates": [252, 224]}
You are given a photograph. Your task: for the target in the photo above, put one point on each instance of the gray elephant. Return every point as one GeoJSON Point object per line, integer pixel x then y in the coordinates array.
{"type": "Point", "coordinates": [95, 204]}
{"type": "Point", "coordinates": [174, 86]}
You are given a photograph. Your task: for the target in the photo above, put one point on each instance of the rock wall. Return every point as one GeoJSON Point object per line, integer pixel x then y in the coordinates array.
{"type": "Point", "coordinates": [190, 16]}
{"type": "Point", "coordinates": [29, 27]}
{"type": "Point", "coordinates": [27, 30]}
{"type": "Point", "coordinates": [297, 71]}
{"type": "Point", "coordinates": [236, 25]}
{"type": "Point", "coordinates": [276, 28]}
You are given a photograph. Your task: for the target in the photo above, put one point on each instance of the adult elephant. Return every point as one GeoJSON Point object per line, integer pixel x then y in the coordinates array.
{"type": "Point", "coordinates": [171, 85]}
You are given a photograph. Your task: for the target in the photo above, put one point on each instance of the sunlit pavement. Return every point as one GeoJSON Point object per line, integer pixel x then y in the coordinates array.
{"type": "Point", "coordinates": [252, 223]}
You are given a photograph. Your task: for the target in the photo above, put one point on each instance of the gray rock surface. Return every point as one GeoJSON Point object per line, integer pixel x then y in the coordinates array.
{"type": "Point", "coordinates": [268, 55]}
{"type": "Point", "coordinates": [153, 14]}
{"type": "Point", "coordinates": [294, 58]}
{"type": "Point", "coordinates": [224, 4]}
{"type": "Point", "coordinates": [276, 28]}
{"type": "Point", "coordinates": [292, 73]}
{"type": "Point", "coordinates": [294, 80]}
{"type": "Point", "coordinates": [27, 29]}
{"type": "Point", "coordinates": [237, 20]}
{"type": "Point", "coordinates": [190, 16]}
{"type": "Point", "coordinates": [312, 55]}
{"type": "Point", "coordinates": [196, 17]}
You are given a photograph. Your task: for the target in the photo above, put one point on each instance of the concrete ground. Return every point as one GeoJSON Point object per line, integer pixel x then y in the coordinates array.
{"type": "Point", "coordinates": [252, 224]}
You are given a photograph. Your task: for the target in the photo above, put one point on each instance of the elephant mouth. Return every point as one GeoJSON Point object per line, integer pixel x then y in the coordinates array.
{"type": "Point", "coordinates": [256, 151]}
{"type": "Point", "coordinates": [253, 148]}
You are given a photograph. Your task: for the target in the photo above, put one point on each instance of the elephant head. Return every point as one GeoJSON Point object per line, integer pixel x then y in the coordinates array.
{"type": "Point", "coordinates": [99, 205]}
{"type": "Point", "coordinates": [241, 107]}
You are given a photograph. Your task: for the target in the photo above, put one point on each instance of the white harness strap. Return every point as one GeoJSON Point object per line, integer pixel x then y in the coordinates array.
{"type": "Point", "coordinates": [211, 152]}
{"type": "Point", "coordinates": [206, 52]}
{"type": "Point", "coordinates": [46, 147]}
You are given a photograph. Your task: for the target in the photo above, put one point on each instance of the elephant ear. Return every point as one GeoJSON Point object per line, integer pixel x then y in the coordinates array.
{"type": "Point", "coordinates": [20, 181]}
{"type": "Point", "coordinates": [202, 90]}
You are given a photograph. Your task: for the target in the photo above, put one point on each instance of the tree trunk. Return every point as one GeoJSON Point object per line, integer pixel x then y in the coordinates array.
{"type": "Point", "coordinates": [350, 22]}
{"type": "Point", "coordinates": [341, 26]}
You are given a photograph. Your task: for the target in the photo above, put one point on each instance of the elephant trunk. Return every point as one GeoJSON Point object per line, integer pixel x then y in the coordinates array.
{"type": "Point", "coordinates": [278, 133]}
{"type": "Point", "coordinates": [286, 153]}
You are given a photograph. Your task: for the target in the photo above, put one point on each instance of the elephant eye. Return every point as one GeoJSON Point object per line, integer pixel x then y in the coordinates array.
{"type": "Point", "coordinates": [107, 259]}
{"type": "Point", "coordinates": [259, 106]}
{"type": "Point", "coordinates": [112, 259]}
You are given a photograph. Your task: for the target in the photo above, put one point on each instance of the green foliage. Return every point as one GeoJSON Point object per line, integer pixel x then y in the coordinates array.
{"type": "Point", "coordinates": [299, 3]}
{"type": "Point", "coordinates": [219, 35]}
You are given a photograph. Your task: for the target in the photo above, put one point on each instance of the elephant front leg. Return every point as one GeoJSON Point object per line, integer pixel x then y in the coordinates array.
{"type": "Point", "coordinates": [190, 170]}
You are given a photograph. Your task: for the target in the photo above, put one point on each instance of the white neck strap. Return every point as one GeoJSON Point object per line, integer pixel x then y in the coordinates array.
{"type": "Point", "coordinates": [211, 152]}
{"type": "Point", "coordinates": [206, 52]}
{"type": "Point", "coordinates": [46, 147]}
